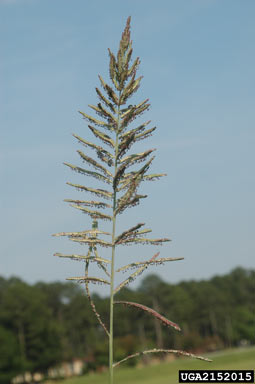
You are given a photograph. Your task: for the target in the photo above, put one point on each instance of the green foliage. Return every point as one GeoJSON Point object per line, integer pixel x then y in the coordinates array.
{"type": "Point", "coordinates": [33, 333]}
{"type": "Point", "coordinates": [10, 359]}
{"type": "Point", "coordinates": [201, 308]}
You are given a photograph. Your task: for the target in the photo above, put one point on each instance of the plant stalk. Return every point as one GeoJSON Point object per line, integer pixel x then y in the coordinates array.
{"type": "Point", "coordinates": [113, 255]}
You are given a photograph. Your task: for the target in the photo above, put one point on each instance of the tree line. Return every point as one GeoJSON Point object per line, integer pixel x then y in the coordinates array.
{"type": "Point", "coordinates": [46, 323]}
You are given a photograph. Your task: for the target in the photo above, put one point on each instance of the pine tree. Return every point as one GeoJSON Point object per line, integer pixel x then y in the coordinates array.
{"type": "Point", "coordinates": [115, 166]}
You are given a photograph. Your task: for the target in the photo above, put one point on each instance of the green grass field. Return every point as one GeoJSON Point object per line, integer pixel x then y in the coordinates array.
{"type": "Point", "coordinates": [167, 373]}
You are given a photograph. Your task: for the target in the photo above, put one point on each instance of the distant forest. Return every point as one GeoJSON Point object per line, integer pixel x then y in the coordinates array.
{"type": "Point", "coordinates": [46, 323]}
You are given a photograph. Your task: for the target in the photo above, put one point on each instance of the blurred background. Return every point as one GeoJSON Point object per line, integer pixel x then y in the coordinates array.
{"type": "Point", "coordinates": [197, 59]}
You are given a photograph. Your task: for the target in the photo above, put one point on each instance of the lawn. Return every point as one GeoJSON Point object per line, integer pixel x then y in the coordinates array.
{"type": "Point", "coordinates": [167, 373]}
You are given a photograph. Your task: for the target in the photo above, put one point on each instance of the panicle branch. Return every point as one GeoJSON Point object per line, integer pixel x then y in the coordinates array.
{"type": "Point", "coordinates": [92, 302]}
{"type": "Point", "coordinates": [174, 351]}
{"type": "Point", "coordinates": [152, 312]}
{"type": "Point", "coordinates": [134, 275]}
{"type": "Point", "coordinates": [160, 261]}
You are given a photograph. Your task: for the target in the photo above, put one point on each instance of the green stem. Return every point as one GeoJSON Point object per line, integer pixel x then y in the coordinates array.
{"type": "Point", "coordinates": [113, 256]}
{"type": "Point", "coordinates": [111, 305]}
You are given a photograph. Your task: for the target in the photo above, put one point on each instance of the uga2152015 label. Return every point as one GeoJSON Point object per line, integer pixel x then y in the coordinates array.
{"type": "Point", "coordinates": [216, 376]}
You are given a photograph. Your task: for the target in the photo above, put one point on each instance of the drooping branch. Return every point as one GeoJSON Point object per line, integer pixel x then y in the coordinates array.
{"type": "Point", "coordinates": [101, 264]}
{"type": "Point", "coordinates": [92, 302]}
{"type": "Point", "coordinates": [152, 312]}
{"type": "Point", "coordinates": [175, 351]}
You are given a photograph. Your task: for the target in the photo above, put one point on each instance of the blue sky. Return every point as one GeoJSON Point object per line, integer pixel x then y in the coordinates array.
{"type": "Point", "coordinates": [198, 64]}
